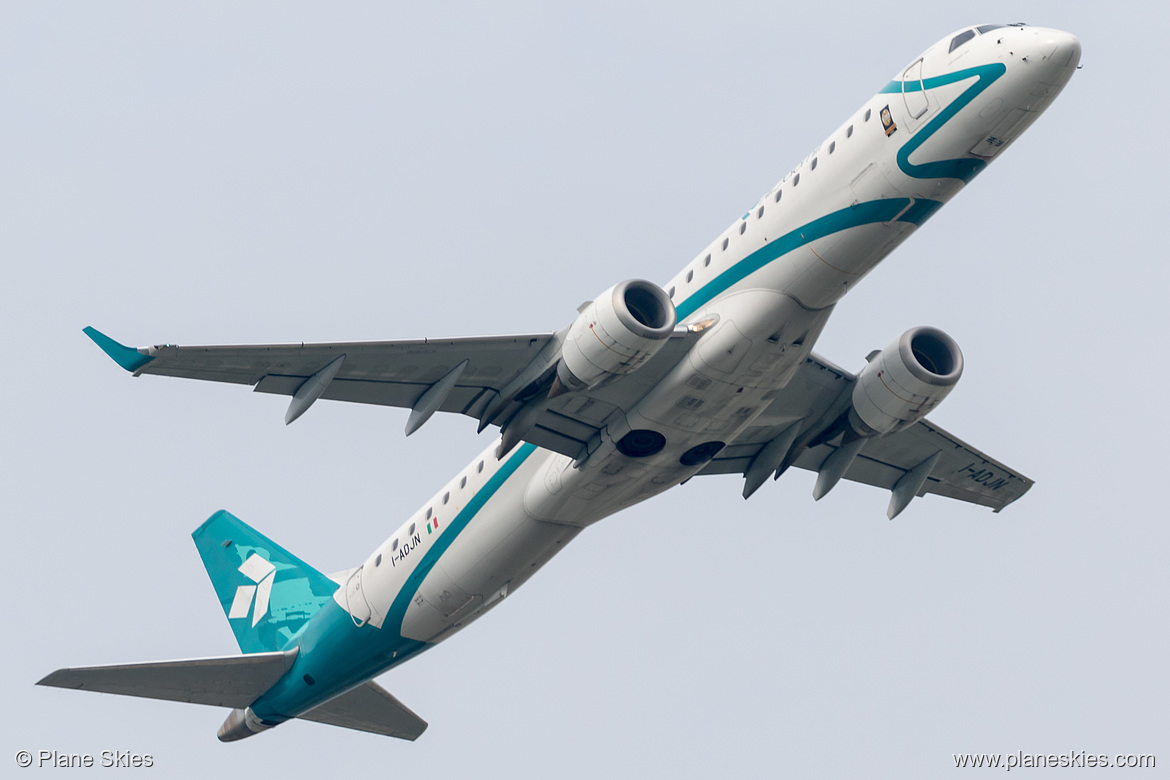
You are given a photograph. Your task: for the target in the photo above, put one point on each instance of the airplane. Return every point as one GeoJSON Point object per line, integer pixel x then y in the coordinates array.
{"type": "Point", "coordinates": [646, 388]}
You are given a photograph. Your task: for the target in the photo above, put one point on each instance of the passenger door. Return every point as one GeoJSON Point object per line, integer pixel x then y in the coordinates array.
{"type": "Point", "coordinates": [914, 93]}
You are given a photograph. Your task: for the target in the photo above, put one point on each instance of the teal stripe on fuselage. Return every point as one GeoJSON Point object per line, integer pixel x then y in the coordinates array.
{"type": "Point", "coordinates": [873, 211]}
{"type": "Point", "coordinates": [857, 215]}
{"type": "Point", "coordinates": [337, 654]}
{"type": "Point", "coordinates": [397, 611]}
{"type": "Point", "coordinates": [963, 169]}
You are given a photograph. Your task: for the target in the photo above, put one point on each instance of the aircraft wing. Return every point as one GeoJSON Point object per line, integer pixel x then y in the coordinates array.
{"type": "Point", "coordinates": [816, 397]}
{"type": "Point", "coordinates": [488, 378]}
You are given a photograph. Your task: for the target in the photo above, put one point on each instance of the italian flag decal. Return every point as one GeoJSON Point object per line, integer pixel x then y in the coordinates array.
{"type": "Point", "coordinates": [433, 526]}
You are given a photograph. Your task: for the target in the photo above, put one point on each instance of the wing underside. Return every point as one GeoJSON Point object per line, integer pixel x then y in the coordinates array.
{"type": "Point", "coordinates": [503, 381]}
{"type": "Point", "coordinates": [817, 396]}
{"type": "Point", "coordinates": [490, 379]}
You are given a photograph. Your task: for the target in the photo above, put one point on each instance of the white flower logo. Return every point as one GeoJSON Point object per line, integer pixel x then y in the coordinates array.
{"type": "Point", "coordinates": [262, 573]}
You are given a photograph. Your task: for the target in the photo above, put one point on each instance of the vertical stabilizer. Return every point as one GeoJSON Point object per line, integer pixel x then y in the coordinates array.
{"type": "Point", "coordinates": [267, 593]}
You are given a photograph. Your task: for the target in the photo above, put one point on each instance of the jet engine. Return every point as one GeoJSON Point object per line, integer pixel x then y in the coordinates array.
{"type": "Point", "coordinates": [616, 334]}
{"type": "Point", "coordinates": [905, 381]}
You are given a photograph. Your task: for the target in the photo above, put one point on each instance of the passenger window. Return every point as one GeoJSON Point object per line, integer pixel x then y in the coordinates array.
{"type": "Point", "coordinates": [690, 275]}
{"type": "Point", "coordinates": [742, 227]}
{"type": "Point", "coordinates": [760, 213]}
{"type": "Point", "coordinates": [378, 560]}
{"type": "Point", "coordinates": [411, 531]}
{"type": "Point", "coordinates": [428, 517]}
{"type": "Point", "coordinates": [479, 468]}
{"type": "Point", "coordinates": [778, 194]}
{"type": "Point", "coordinates": [961, 38]}
{"type": "Point", "coordinates": [867, 113]}
{"type": "Point", "coordinates": [707, 260]}
{"type": "Point", "coordinates": [670, 293]}
{"type": "Point", "coordinates": [849, 132]}
{"type": "Point", "coordinates": [832, 147]}
{"type": "Point", "coordinates": [394, 545]}
{"type": "Point", "coordinates": [796, 180]}
{"type": "Point", "coordinates": [463, 483]}
{"type": "Point", "coordinates": [725, 242]}
{"type": "Point", "coordinates": [446, 497]}
{"type": "Point", "coordinates": [813, 166]}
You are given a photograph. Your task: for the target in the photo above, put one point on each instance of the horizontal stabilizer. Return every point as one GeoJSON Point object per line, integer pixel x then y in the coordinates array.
{"type": "Point", "coordinates": [371, 708]}
{"type": "Point", "coordinates": [230, 681]}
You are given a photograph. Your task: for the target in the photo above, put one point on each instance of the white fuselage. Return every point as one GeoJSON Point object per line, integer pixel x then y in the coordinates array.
{"type": "Point", "coordinates": [768, 283]}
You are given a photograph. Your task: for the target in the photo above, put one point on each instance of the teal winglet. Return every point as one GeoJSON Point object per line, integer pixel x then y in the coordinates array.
{"type": "Point", "coordinates": [127, 357]}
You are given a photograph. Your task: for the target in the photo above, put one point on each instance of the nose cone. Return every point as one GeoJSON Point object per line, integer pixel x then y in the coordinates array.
{"type": "Point", "coordinates": [1053, 55]}
{"type": "Point", "coordinates": [1059, 48]}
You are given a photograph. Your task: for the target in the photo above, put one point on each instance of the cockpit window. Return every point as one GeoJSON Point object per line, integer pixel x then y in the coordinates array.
{"type": "Point", "coordinates": [961, 38]}
{"type": "Point", "coordinates": [986, 28]}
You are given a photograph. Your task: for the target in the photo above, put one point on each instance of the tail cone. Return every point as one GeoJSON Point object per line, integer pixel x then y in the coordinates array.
{"type": "Point", "coordinates": [240, 724]}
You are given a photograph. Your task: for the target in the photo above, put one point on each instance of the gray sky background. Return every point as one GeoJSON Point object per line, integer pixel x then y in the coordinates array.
{"type": "Point", "coordinates": [226, 173]}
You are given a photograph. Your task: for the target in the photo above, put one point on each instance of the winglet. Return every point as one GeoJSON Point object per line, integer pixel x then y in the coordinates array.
{"type": "Point", "coordinates": [126, 357]}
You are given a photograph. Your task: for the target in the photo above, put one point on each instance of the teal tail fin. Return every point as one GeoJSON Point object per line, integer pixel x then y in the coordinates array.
{"type": "Point", "coordinates": [267, 593]}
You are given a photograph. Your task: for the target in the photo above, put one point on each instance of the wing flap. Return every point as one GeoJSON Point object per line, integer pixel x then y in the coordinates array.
{"type": "Point", "coordinates": [492, 360]}
{"type": "Point", "coordinates": [371, 708]}
{"type": "Point", "coordinates": [381, 393]}
{"type": "Point", "coordinates": [962, 472]}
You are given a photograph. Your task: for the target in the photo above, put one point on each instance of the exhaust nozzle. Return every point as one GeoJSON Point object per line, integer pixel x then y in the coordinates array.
{"type": "Point", "coordinates": [240, 724]}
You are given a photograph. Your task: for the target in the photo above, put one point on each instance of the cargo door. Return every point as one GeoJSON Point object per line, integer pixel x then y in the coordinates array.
{"type": "Point", "coordinates": [873, 183]}
{"type": "Point", "coordinates": [1004, 132]}
{"type": "Point", "coordinates": [355, 598]}
{"type": "Point", "coordinates": [446, 596]}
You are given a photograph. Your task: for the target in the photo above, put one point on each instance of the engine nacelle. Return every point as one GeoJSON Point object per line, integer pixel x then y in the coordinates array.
{"type": "Point", "coordinates": [616, 334]}
{"type": "Point", "coordinates": [905, 381]}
